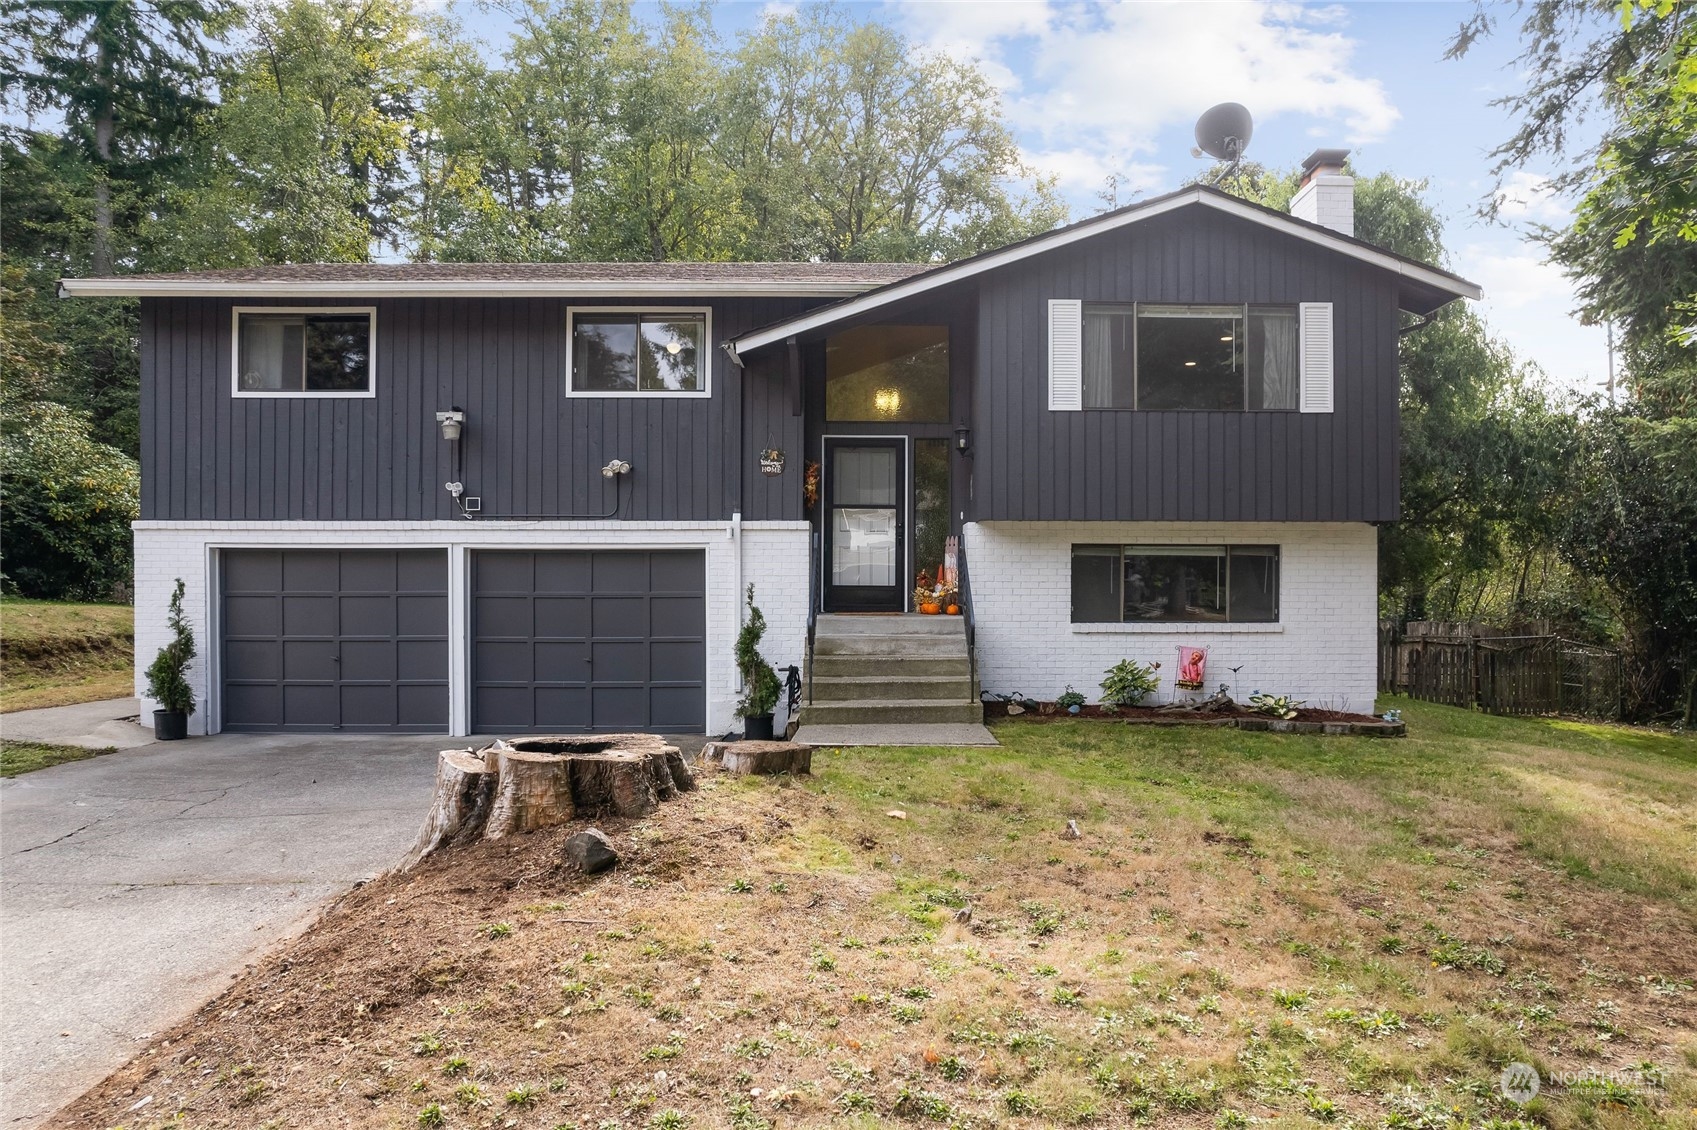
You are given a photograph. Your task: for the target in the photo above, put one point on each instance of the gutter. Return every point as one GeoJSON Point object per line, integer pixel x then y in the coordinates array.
{"type": "Point", "coordinates": [121, 287]}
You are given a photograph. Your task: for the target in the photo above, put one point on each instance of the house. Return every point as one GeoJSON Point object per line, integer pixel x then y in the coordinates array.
{"type": "Point", "coordinates": [504, 497]}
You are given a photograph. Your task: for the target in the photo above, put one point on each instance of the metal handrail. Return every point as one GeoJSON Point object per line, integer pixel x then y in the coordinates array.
{"type": "Point", "coordinates": [813, 567]}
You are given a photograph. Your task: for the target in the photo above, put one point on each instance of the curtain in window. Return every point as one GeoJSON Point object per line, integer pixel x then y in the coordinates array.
{"type": "Point", "coordinates": [1100, 327]}
{"type": "Point", "coordinates": [1278, 360]}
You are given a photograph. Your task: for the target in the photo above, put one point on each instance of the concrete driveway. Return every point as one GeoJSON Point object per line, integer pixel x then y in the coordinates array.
{"type": "Point", "coordinates": [135, 883]}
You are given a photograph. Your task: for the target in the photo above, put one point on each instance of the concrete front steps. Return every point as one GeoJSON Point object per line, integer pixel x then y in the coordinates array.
{"type": "Point", "coordinates": [880, 677]}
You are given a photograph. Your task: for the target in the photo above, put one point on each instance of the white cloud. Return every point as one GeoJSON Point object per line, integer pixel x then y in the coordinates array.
{"type": "Point", "coordinates": [1528, 302]}
{"type": "Point", "coordinates": [1083, 79]}
{"type": "Point", "coordinates": [1528, 196]}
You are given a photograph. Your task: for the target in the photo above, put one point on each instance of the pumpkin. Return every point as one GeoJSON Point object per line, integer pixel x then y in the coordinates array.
{"type": "Point", "coordinates": [930, 609]}
{"type": "Point", "coordinates": [954, 610]}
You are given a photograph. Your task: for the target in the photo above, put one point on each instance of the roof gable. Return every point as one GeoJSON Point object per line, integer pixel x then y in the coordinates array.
{"type": "Point", "coordinates": [1422, 288]}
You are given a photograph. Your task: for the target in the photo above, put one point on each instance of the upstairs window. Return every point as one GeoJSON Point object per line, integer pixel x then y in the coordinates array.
{"type": "Point", "coordinates": [304, 352]}
{"type": "Point", "coordinates": [1197, 358]}
{"type": "Point", "coordinates": [628, 352]}
{"type": "Point", "coordinates": [1236, 584]}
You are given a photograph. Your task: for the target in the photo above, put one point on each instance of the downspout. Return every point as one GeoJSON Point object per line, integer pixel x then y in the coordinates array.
{"type": "Point", "coordinates": [735, 500]}
{"type": "Point", "coordinates": [735, 534]}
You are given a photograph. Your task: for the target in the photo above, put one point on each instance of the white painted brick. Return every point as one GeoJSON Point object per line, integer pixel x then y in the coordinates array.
{"type": "Point", "coordinates": [1324, 650]}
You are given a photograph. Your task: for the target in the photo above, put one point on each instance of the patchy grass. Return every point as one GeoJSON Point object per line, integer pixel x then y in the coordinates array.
{"type": "Point", "coordinates": [1253, 928]}
{"type": "Point", "coordinates": [26, 757]}
{"type": "Point", "coordinates": [55, 654]}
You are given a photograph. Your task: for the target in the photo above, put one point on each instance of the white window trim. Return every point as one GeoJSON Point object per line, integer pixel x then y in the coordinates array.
{"type": "Point", "coordinates": [241, 393]}
{"type": "Point", "coordinates": [1175, 627]}
{"type": "Point", "coordinates": [707, 350]}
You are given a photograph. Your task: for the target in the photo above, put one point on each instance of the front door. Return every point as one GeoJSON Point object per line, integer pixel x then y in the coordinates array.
{"type": "Point", "coordinates": [865, 514]}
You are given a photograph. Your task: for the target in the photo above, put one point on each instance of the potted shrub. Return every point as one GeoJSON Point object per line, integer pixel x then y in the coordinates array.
{"type": "Point", "coordinates": [167, 676]}
{"type": "Point", "coordinates": [761, 688]}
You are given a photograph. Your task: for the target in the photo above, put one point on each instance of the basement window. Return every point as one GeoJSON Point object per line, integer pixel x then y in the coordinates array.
{"type": "Point", "coordinates": [1226, 584]}
{"type": "Point", "coordinates": [300, 351]}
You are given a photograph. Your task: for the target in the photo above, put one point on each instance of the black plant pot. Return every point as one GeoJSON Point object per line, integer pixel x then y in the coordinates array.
{"type": "Point", "coordinates": [757, 728]}
{"type": "Point", "coordinates": [170, 725]}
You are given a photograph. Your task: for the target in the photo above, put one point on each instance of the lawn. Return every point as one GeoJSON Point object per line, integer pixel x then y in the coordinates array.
{"type": "Point", "coordinates": [1252, 928]}
{"type": "Point", "coordinates": [54, 654]}
{"type": "Point", "coordinates": [26, 757]}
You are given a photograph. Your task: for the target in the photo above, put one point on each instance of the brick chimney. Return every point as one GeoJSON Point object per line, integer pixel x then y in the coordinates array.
{"type": "Point", "coordinates": [1327, 195]}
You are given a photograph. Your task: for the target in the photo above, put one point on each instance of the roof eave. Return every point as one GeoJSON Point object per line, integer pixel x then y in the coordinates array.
{"type": "Point", "coordinates": [119, 287]}
{"type": "Point", "coordinates": [1429, 277]}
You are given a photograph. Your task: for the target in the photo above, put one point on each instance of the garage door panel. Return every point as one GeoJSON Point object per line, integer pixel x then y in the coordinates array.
{"type": "Point", "coordinates": [306, 570]}
{"type": "Point", "coordinates": [368, 705]}
{"type": "Point", "coordinates": [677, 572]}
{"type": "Point", "coordinates": [561, 662]}
{"type": "Point", "coordinates": [674, 708]}
{"type": "Point", "coordinates": [421, 615]}
{"type": "Point", "coordinates": [367, 572]}
{"type": "Point", "coordinates": [506, 572]}
{"type": "Point", "coordinates": [421, 571]}
{"type": "Point", "coordinates": [562, 708]}
{"type": "Point", "coordinates": [253, 616]}
{"type": "Point", "coordinates": [309, 615]}
{"type": "Point", "coordinates": [315, 707]}
{"type": "Point", "coordinates": [421, 659]}
{"type": "Point", "coordinates": [599, 605]}
{"type": "Point", "coordinates": [503, 616]}
{"type": "Point", "coordinates": [680, 615]}
{"type": "Point", "coordinates": [676, 661]}
{"type": "Point", "coordinates": [259, 660]}
{"type": "Point", "coordinates": [562, 572]}
{"type": "Point", "coordinates": [257, 705]}
{"type": "Point", "coordinates": [421, 707]}
{"type": "Point", "coordinates": [364, 660]}
{"type": "Point", "coordinates": [330, 644]}
{"type": "Point", "coordinates": [253, 572]}
{"type": "Point", "coordinates": [620, 572]}
{"type": "Point", "coordinates": [619, 707]}
{"type": "Point", "coordinates": [562, 617]}
{"type": "Point", "coordinates": [503, 661]}
{"type": "Point", "coordinates": [625, 616]}
{"type": "Point", "coordinates": [309, 661]}
{"type": "Point", "coordinates": [619, 661]}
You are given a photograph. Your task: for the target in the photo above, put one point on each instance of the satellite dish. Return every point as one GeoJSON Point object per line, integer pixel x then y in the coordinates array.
{"type": "Point", "coordinates": [1223, 131]}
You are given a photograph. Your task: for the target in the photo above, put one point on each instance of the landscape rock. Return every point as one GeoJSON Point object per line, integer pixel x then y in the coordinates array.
{"type": "Point", "coordinates": [591, 851]}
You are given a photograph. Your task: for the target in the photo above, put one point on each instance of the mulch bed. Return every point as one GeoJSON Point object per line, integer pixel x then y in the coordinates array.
{"type": "Point", "coordinates": [1306, 721]}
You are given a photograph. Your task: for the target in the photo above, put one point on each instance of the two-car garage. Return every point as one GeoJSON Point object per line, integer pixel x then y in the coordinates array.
{"type": "Point", "coordinates": [361, 640]}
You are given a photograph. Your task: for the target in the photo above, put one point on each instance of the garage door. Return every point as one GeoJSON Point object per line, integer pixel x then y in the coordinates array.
{"type": "Point", "coordinates": [589, 641]}
{"type": "Point", "coordinates": [335, 640]}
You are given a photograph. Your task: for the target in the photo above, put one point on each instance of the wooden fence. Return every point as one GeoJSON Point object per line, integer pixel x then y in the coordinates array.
{"type": "Point", "coordinates": [1475, 665]}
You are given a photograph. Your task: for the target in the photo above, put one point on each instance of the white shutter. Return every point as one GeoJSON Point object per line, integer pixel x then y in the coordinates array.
{"type": "Point", "coordinates": [1066, 355]}
{"type": "Point", "coordinates": [1316, 356]}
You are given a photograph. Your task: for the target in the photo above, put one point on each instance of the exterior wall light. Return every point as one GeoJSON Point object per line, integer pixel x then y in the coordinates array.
{"type": "Point", "coordinates": [452, 423]}
{"type": "Point", "coordinates": [615, 468]}
{"type": "Point", "coordinates": [963, 439]}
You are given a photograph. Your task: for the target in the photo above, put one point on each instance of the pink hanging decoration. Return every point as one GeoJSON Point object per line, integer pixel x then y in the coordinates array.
{"type": "Point", "coordinates": [1192, 668]}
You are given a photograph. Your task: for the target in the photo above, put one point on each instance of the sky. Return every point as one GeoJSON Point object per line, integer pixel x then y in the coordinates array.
{"type": "Point", "coordinates": [1096, 90]}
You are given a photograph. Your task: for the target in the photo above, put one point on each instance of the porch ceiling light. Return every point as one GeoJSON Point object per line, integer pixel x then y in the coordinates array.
{"type": "Point", "coordinates": [452, 423]}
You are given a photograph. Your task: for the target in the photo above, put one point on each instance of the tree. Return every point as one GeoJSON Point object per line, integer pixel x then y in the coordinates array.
{"type": "Point", "coordinates": [851, 146]}
{"type": "Point", "coordinates": [69, 502]}
{"type": "Point", "coordinates": [1480, 446]}
{"type": "Point", "coordinates": [129, 79]}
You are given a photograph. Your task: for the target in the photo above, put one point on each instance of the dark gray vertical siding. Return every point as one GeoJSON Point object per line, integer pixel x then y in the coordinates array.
{"type": "Point", "coordinates": [1034, 464]}
{"type": "Point", "coordinates": [528, 448]}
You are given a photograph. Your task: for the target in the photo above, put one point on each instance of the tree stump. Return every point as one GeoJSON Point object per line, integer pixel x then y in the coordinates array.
{"type": "Point", "coordinates": [532, 790]}
{"type": "Point", "coordinates": [523, 784]}
{"type": "Point", "coordinates": [464, 787]}
{"type": "Point", "coordinates": [765, 758]}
